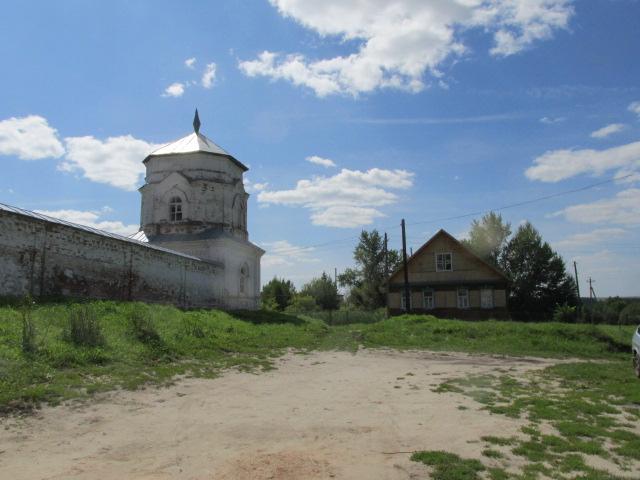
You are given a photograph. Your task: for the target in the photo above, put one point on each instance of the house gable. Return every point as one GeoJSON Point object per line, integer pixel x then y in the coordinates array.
{"type": "Point", "coordinates": [466, 267]}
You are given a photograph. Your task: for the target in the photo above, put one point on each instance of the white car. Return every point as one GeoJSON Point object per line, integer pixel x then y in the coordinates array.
{"type": "Point", "coordinates": [635, 347]}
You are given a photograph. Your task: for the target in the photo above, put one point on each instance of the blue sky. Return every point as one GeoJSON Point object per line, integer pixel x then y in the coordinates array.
{"type": "Point", "coordinates": [426, 111]}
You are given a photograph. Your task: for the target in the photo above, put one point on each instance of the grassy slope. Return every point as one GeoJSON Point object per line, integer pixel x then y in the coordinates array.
{"type": "Point", "coordinates": [201, 343]}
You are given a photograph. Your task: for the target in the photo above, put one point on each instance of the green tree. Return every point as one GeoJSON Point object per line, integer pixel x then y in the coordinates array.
{"type": "Point", "coordinates": [539, 281]}
{"type": "Point", "coordinates": [366, 281]}
{"type": "Point", "coordinates": [488, 237]}
{"type": "Point", "coordinates": [324, 291]}
{"type": "Point", "coordinates": [277, 294]}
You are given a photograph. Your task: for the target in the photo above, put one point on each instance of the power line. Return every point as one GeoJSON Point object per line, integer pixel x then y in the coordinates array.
{"type": "Point", "coordinates": [294, 250]}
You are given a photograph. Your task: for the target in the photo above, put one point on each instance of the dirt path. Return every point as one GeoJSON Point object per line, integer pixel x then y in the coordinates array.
{"type": "Point", "coordinates": [323, 415]}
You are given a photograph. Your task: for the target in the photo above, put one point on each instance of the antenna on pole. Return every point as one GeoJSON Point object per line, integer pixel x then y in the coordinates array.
{"type": "Point", "coordinates": [196, 122]}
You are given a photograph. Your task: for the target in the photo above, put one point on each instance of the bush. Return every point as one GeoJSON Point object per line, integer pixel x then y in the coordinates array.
{"type": "Point", "coordinates": [83, 327]}
{"type": "Point", "coordinates": [630, 315]}
{"type": "Point", "coordinates": [142, 326]}
{"type": "Point", "coordinates": [302, 304]}
{"type": "Point", "coordinates": [564, 313]}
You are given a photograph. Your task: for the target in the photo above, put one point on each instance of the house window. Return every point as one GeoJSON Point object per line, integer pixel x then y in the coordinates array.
{"type": "Point", "coordinates": [403, 301]}
{"type": "Point", "coordinates": [175, 209]}
{"type": "Point", "coordinates": [444, 262]}
{"type": "Point", "coordinates": [428, 299]}
{"type": "Point", "coordinates": [463, 298]}
{"type": "Point", "coordinates": [486, 298]}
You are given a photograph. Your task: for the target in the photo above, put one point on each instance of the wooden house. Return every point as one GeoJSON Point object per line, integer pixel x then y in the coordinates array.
{"type": "Point", "coordinates": [448, 280]}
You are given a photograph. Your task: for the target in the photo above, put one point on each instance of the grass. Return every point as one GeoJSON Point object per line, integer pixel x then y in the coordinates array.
{"type": "Point", "coordinates": [590, 408]}
{"type": "Point", "coordinates": [449, 466]}
{"type": "Point", "coordinates": [56, 351]}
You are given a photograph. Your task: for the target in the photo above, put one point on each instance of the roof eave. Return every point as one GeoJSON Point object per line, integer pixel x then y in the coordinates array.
{"type": "Point", "coordinates": [237, 162]}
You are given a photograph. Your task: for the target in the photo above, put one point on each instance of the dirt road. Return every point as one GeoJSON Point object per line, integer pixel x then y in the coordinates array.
{"type": "Point", "coordinates": [322, 415]}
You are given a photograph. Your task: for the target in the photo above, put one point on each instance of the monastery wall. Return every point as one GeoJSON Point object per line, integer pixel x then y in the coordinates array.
{"type": "Point", "coordinates": [44, 257]}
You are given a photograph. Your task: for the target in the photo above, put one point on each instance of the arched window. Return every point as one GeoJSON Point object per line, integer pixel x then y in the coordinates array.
{"type": "Point", "coordinates": [244, 277]}
{"type": "Point", "coordinates": [175, 209]}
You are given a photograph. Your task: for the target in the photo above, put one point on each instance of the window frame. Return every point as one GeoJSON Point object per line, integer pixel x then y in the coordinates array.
{"type": "Point", "coordinates": [459, 297]}
{"type": "Point", "coordinates": [493, 300]}
{"type": "Point", "coordinates": [432, 294]}
{"type": "Point", "coordinates": [175, 209]}
{"type": "Point", "coordinates": [450, 254]}
{"type": "Point", "coordinates": [403, 301]}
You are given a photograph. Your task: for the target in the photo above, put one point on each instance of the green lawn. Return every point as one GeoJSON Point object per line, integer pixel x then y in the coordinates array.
{"type": "Point", "coordinates": [203, 343]}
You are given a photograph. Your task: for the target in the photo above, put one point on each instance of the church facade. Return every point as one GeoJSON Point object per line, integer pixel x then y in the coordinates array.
{"type": "Point", "coordinates": [194, 202]}
{"type": "Point", "coordinates": [192, 250]}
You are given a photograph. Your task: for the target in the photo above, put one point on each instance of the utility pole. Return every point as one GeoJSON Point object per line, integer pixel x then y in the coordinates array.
{"type": "Point", "coordinates": [575, 269]}
{"type": "Point", "coordinates": [407, 292]}
{"type": "Point", "coordinates": [386, 256]}
{"type": "Point", "coordinates": [335, 276]}
{"type": "Point", "coordinates": [592, 292]}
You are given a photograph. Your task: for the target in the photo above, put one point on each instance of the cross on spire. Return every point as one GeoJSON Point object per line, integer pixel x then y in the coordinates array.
{"type": "Point", "coordinates": [196, 122]}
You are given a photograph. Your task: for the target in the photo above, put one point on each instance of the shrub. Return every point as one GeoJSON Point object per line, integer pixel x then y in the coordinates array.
{"type": "Point", "coordinates": [142, 325]}
{"type": "Point", "coordinates": [630, 315]}
{"type": "Point", "coordinates": [302, 304]}
{"type": "Point", "coordinates": [564, 313]}
{"type": "Point", "coordinates": [28, 333]}
{"type": "Point", "coordinates": [83, 327]}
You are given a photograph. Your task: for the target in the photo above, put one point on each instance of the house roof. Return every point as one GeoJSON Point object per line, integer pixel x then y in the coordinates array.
{"type": "Point", "coordinates": [195, 142]}
{"type": "Point", "coordinates": [95, 231]}
{"type": "Point", "coordinates": [440, 233]}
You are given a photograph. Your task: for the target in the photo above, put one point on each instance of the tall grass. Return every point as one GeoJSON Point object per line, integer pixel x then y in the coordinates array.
{"type": "Point", "coordinates": [83, 327]}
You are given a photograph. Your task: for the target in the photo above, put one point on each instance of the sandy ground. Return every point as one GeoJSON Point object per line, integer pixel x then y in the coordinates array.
{"type": "Point", "coordinates": [322, 415]}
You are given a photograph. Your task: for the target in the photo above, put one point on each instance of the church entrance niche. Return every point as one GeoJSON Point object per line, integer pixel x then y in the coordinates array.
{"type": "Point", "coordinates": [244, 278]}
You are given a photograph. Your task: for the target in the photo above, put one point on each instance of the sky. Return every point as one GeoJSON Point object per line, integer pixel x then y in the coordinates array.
{"type": "Point", "coordinates": [350, 114]}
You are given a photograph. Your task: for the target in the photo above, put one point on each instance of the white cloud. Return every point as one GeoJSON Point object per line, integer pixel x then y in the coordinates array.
{"type": "Point", "coordinates": [345, 216]}
{"type": "Point", "coordinates": [251, 187]}
{"type": "Point", "coordinates": [398, 42]}
{"type": "Point", "coordinates": [552, 120]}
{"type": "Point", "coordinates": [347, 199]}
{"type": "Point", "coordinates": [92, 218]}
{"type": "Point", "coordinates": [116, 161]}
{"type": "Point", "coordinates": [608, 130]}
{"type": "Point", "coordinates": [190, 62]}
{"type": "Point", "coordinates": [623, 209]}
{"type": "Point", "coordinates": [596, 236]}
{"type": "Point", "coordinates": [209, 75]}
{"type": "Point", "coordinates": [29, 138]}
{"type": "Point", "coordinates": [325, 162]}
{"type": "Point", "coordinates": [559, 165]}
{"type": "Point", "coordinates": [281, 253]}
{"type": "Point", "coordinates": [635, 108]}
{"type": "Point", "coordinates": [174, 90]}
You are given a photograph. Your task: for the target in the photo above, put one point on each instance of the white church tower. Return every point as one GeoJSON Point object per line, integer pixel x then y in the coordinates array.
{"type": "Point", "coordinates": [194, 201]}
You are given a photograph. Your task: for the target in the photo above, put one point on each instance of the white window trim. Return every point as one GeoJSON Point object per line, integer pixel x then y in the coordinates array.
{"type": "Point", "coordinates": [458, 297]}
{"type": "Point", "coordinates": [493, 298]}
{"type": "Point", "coordinates": [433, 299]}
{"type": "Point", "coordinates": [436, 259]}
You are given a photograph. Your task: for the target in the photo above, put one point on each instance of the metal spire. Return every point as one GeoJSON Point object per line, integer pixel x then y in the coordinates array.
{"type": "Point", "coordinates": [196, 122]}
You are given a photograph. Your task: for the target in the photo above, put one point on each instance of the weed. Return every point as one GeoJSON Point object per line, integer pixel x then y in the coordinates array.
{"type": "Point", "coordinates": [83, 327]}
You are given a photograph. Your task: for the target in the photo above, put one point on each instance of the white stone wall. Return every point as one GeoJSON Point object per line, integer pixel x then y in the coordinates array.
{"type": "Point", "coordinates": [44, 258]}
